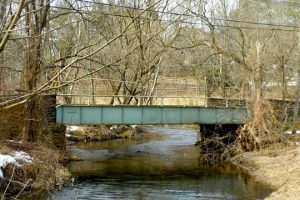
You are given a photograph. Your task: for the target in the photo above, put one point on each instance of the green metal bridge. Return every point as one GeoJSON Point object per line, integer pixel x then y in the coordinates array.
{"type": "Point", "coordinates": [95, 110]}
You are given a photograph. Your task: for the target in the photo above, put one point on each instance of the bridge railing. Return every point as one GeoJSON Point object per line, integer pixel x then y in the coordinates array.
{"type": "Point", "coordinates": [85, 99]}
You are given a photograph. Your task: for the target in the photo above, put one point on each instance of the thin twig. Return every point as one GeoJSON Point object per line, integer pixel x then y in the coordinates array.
{"type": "Point", "coordinates": [11, 177]}
{"type": "Point", "coordinates": [23, 188]}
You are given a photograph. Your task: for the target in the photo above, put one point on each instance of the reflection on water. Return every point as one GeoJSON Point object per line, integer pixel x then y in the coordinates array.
{"type": "Point", "coordinates": [158, 168]}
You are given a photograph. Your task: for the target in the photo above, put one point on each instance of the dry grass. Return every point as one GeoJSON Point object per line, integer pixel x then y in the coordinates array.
{"type": "Point", "coordinates": [263, 131]}
{"type": "Point", "coordinates": [277, 166]}
{"type": "Point", "coordinates": [46, 173]}
{"type": "Point", "coordinates": [11, 123]}
{"type": "Point", "coordinates": [102, 132]}
{"type": "Point", "coordinates": [267, 154]}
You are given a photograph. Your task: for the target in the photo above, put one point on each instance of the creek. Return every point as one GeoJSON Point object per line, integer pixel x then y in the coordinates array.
{"type": "Point", "coordinates": [165, 166]}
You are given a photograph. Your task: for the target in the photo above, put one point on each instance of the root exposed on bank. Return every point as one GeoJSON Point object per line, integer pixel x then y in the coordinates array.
{"type": "Point", "coordinates": [217, 149]}
{"type": "Point", "coordinates": [263, 131]}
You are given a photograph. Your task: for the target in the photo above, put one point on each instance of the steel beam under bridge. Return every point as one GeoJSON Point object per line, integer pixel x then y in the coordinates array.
{"type": "Point", "coordinates": [151, 115]}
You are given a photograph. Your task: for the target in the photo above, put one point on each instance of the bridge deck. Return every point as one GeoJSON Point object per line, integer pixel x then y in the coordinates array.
{"type": "Point", "coordinates": [154, 115]}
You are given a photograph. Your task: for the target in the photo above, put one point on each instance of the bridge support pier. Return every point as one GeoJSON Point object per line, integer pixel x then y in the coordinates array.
{"type": "Point", "coordinates": [52, 132]}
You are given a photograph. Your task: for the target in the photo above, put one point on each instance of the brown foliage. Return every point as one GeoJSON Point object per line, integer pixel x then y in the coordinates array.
{"type": "Point", "coordinates": [11, 123]}
{"type": "Point", "coordinates": [45, 173]}
{"type": "Point", "coordinates": [13, 120]}
{"type": "Point", "coordinates": [263, 130]}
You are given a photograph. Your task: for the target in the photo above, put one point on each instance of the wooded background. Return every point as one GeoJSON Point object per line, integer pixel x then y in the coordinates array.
{"type": "Point", "coordinates": [250, 47]}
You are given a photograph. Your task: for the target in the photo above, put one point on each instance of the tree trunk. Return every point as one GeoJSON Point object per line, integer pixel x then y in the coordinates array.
{"type": "Point", "coordinates": [297, 92]}
{"type": "Point", "coordinates": [297, 96]}
{"type": "Point", "coordinates": [31, 67]}
{"type": "Point", "coordinates": [2, 74]}
{"type": "Point", "coordinates": [284, 84]}
{"type": "Point", "coordinates": [30, 130]}
{"type": "Point", "coordinates": [2, 71]}
{"type": "Point", "coordinates": [222, 79]}
{"type": "Point", "coordinates": [258, 74]}
{"type": "Point", "coordinates": [35, 22]}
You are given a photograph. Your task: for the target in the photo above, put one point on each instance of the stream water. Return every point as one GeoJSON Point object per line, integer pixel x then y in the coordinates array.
{"type": "Point", "coordinates": [162, 167]}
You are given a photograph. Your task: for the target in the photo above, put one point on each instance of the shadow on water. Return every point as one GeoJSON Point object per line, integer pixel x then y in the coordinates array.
{"type": "Point", "coordinates": [164, 168]}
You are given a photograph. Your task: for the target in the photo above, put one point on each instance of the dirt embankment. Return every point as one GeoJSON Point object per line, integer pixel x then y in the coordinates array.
{"type": "Point", "coordinates": [277, 167]}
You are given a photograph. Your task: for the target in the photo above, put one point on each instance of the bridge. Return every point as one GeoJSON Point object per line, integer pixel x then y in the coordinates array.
{"type": "Point", "coordinates": [163, 110]}
{"type": "Point", "coordinates": [214, 115]}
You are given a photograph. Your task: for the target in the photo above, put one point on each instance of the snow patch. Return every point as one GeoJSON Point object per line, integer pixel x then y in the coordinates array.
{"type": "Point", "coordinates": [113, 127]}
{"type": "Point", "coordinates": [134, 126]}
{"type": "Point", "coordinates": [13, 159]}
{"type": "Point", "coordinates": [14, 141]}
{"type": "Point", "coordinates": [5, 160]}
{"type": "Point", "coordinates": [22, 156]}
{"type": "Point", "coordinates": [68, 135]}
{"type": "Point", "coordinates": [72, 128]}
{"type": "Point", "coordinates": [291, 83]}
{"type": "Point", "coordinates": [291, 132]}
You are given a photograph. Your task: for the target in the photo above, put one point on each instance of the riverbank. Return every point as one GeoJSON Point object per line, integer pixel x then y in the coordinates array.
{"type": "Point", "coordinates": [278, 167]}
{"type": "Point", "coordinates": [102, 132]}
{"type": "Point", "coordinates": [30, 169]}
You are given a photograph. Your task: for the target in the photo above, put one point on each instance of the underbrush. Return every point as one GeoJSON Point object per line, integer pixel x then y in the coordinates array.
{"type": "Point", "coordinates": [216, 150]}
{"type": "Point", "coordinates": [102, 132]}
{"type": "Point", "coordinates": [46, 172]}
{"type": "Point", "coordinates": [264, 131]}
